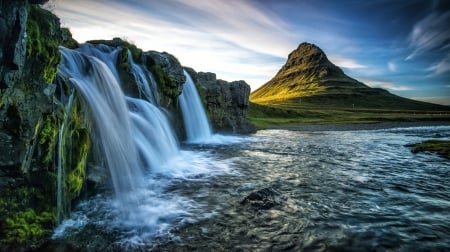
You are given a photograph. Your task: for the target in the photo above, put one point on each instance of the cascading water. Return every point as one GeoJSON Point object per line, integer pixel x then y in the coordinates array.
{"type": "Point", "coordinates": [194, 116]}
{"type": "Point", "coordinates": [107, 104]}
{"type": "Point", "coordinates": [134, 134]}
{"type": "Point", "coordinates": [149, 89]}
{"type": "Point", "coordinates": [138, 145]}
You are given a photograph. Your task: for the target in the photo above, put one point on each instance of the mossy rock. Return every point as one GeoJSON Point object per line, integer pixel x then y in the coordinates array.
{"type": "Point", "coordinates": [24, 228]}
{"type": "Point", "coordinates": [440, 147]}
{"type": "Point", "coordinates": [28, 226]}
{"type": "Point", "coordinates": [43, 39]}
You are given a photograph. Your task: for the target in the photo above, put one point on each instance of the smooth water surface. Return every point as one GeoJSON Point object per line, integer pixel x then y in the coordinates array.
{"type": "Point", "coordinates": [341, 191]}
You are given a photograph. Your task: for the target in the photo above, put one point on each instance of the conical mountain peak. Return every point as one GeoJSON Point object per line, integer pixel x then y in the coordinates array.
{"type": "Point", "coordinates": [308, 77]}
{"type": "Point", "coordinates": [307, 71]}
{"type": "Point", "coordinates": [310, 60]}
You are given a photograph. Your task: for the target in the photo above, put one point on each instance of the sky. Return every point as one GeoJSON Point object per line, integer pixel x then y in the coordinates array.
{"type": "Point", "coordinates": [402, 46]}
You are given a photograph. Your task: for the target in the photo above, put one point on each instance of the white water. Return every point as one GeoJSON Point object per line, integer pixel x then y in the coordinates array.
{"type": "Point", "coordinates": [112, 123]}
{"type": "Point", "coordinates": [139, 146]}
{"type": "Point", "coordinates": [195, 121]}
{"type": "Point", "coordinates": [145, 81]}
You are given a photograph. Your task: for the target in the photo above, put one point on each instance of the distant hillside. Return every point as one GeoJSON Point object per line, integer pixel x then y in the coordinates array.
{"type": "Point", "coordinates": [309, 78]}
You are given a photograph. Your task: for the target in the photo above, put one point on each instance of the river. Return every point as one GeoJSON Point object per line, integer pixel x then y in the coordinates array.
{"type": "Point", "coordinates": [334, 190]}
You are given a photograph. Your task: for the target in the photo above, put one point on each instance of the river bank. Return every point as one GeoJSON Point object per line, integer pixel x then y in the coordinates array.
{"type": "Point", "coordinates": [360, 126]}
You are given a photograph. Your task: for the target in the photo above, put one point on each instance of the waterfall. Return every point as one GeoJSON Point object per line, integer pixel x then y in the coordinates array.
{"type": "Point", "coordinates": [112, 123]}
{"type": "Point", "coordinates": [149, 89]}
{"type": "Point", "coordinates": [194, 116]}
{"type": "Point", "coordinates": [134, 135]}
{"type": "Point", "coordinates": [61, 197]}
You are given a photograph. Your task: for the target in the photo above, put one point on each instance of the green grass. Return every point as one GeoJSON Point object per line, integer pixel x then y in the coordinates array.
{"type": "Point", "coordinates": [263, 116]}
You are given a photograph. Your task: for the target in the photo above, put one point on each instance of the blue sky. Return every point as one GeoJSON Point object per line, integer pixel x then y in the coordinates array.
{"type": "Point", "coordinates": [402, 46]}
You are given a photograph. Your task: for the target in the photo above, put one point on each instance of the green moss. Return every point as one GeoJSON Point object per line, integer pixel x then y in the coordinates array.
{"type": "Point", "coordinates": [79, 155]}
{"type": "Point", "coordinates": [68, 41]}
{"type": "Point", "coordinates": [27, 226]}
{"type": "Point", "coordinates": [439, 147]}
{"type": "Point", "coordinates": [43, 40]}
{"type": "Point", "coordinates": [166, 84]}
{"type": "Point", "coordinates": [19, 223]}
{"type": "Point", "coordinates": [135, 51]}
{"type": "Point", "coordinates": [123, 60]}
{"type": "Point", "coordinates": [47, 136]}
{"type": "Point", "coordinates": [76, 144]}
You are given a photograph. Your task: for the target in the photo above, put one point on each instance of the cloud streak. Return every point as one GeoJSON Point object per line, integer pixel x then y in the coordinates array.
{"type": "Point", "coordinates": [250, 39]}
{"type": "Point", "coordinates": [430, 33]}
{"type": "Point", "coordinates": [346, 62]}
{"type": "Point", "coordinates": [386, 85]}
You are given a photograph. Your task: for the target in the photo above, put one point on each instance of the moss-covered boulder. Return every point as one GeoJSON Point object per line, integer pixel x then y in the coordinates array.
{"type": "Point", "coordinates": [168, 73]}
{"type": "Point", "coordinates": [440, 147]}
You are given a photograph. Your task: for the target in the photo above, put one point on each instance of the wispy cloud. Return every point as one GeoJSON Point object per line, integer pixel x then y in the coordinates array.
{"type": "Point", "coordinates": [392, 66]}
{"type": "Point", "coordinates": [386, 85]}
{"type": "Point", "coordinates": [236, 39]}
{"type": "Point", "coordinates": [346, 62]}
{"type": "Point", "coordinates": [441, 67]}
{"type": "Point", "coordinates": [444, 100]}
{"type": "Point", "coordinates": [430, 33]}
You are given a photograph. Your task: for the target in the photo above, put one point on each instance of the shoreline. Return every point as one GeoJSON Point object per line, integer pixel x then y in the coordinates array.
{"type": "Point", "coordinates": [361, 126]}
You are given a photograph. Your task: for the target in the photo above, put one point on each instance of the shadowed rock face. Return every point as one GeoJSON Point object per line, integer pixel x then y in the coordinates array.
{"type": "Point", "coordinates": [28, 58]}
{"type": "Point", "coordinates": [226, 103]}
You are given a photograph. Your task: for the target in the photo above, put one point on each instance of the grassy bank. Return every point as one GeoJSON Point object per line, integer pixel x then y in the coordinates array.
{"type": "Point", "coordinates": [287, 115]}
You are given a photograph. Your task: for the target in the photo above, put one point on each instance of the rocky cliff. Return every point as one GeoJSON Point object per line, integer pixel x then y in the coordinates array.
{"type": "Point", "coordinates": [28, 121]}
{"type": "Point", "coordinates": [226, 103]}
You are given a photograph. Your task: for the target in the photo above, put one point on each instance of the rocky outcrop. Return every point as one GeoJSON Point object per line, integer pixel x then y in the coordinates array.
{"type": "Point", "coordinates": [166, 69]}
{"type": "Point", "coordinates": [226, 103]}
{"type": "Point", "coordinates": [28, 121]}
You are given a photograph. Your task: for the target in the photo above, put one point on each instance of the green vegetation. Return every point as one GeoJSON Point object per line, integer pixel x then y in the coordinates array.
{"type": "Point", "coordinates": [75, 149]}
{"type": "Point", "coordinates": [166, 83]}
{"type": "Point", "coordinates": [43, 40]}
{"type": "Point", "coordinates": [27, 226]}
{"type": "Point", "coordinates": [135, 51]}
{"type": "Point", "coordinates": [314, 90]}
{"type": "Point", "coordinates": [284, 114]}
{"type": "Point", "coordinates": [47, 136]}
{"type": "Point", "coordinates": [19, 223]}
{"type": "Point", "coordinates": [123, 60]}
{"type": "Point", "coordinates": [440, 147]}
{"type": "Point", "coordinates": [68, 41]}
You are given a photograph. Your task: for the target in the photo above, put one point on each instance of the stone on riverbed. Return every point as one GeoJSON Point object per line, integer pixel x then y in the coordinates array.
{"type": "Point", "coordinates": [263, 199]}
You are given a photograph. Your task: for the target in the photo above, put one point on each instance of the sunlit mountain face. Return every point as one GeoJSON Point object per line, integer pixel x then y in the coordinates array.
{"type": "Point", "coordinates": [400, 46]}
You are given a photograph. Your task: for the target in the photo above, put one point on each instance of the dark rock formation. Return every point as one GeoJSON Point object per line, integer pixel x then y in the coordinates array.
{"type": "Point", "coordinates": [263, 199]}
{"type": "Point", "coordinates": [28, 123]}
{"type": "Point", "coordinates": [168, 72]}
{"type": "Point", "coordinates": [226, 103]}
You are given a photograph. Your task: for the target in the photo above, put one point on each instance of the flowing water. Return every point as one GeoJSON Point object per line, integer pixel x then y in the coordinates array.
{"type": "Point", "coordinates": [194, 116]}
{"type": "Point", "coordinates": [336, 190]}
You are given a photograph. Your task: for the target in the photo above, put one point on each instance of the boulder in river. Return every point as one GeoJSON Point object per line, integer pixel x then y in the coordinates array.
{"type": "Point", "coordinates": [263, 199]}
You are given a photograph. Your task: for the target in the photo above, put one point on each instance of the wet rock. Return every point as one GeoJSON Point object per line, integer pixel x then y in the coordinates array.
{"type": "Point", "coordinates": [263, 199]}
{"type": "Point", "coordinates": [225, 102]}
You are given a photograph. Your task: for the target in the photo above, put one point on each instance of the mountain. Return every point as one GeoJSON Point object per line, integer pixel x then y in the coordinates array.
{"type": "Point", "coordinates": [309, 78]}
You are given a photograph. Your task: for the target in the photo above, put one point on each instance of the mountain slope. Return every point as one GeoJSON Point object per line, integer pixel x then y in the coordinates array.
{"type": "Point", "coordinates": [309, 78]}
